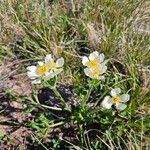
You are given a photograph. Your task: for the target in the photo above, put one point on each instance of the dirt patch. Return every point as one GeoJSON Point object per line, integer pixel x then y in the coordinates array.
{"type": "Point", "coordinates": [13, 132]}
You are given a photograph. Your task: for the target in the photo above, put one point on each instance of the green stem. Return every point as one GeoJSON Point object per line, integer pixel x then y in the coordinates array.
{"type": "Point", "coordinates": [39, 141]}
{"type": "Point", "coordinates": [60, 97]}
{"type": "Point", "coordinates": [81, 133]}
{"type": "Point", "coordinates": [89, 93]}
{"type": "Point", "coordinates": [58, 94]}
{"type": "Point", "coordinates": [56, 124]}
{"type": "Point", "coordinates": [52, 108]}
{"type": "Point", "coordinates": [44, 106]}
{"type": "Point", "coordinates": [100, 99]}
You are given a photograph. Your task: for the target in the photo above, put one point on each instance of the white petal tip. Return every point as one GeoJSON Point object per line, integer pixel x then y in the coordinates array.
{"type": "Point", "coordinates": [106, 103]}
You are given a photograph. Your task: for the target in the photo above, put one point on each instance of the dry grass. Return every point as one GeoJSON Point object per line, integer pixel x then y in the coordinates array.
{"type": "Point", "coordinates": [119, 29]}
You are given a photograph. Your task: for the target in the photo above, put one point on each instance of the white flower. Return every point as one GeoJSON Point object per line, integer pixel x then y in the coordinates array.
{"type": "Point", "coordinates": [55, 67]}
{"type": "Point", "coordinates": [45, 71]}
{"type": "Point", "coordinates": [94, 60]}
{"type": "Point", "coordinates": [95, 65]}
{"type": "Point", "coordinates": [116, 99]}
{"type": "Point", "coordinates": [96, 73]}
{"type": "Point", "coordinates": [39, 72]}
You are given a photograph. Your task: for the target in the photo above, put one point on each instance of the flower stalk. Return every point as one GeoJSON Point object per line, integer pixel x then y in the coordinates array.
{"type": "Point", "coordinates": [59, 96]}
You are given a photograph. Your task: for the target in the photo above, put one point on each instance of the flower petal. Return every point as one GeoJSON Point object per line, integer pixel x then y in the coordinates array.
{"type": "Point", "coordinates": [31, 68]}
{"type": "Point", "coordinates": [125, 97]}
{"type": "Point", "coordinates": [101, 57]}
{"type": "Point", "coordinates": [85, 60]}
{"type": "Point", "coordinates": [57, 71]}
{"type": "Point", "coordinates": [40, 63]}
{"type": "Point", "coordinates": [50, 75]}
{"type": "Point", "coordinates": [100, 78]}
{"type": "Point", "coordinates": [103, 69]}
{"type": "Point", "coordinates": [90, 73]}
{"type": "Point", "coordinates": [32, 75]}
{"type": "Point", "coordinates": [93, 55]}
{"type": "Point", "coordinates": [60, 62]}
{"type": "Point", "coordinates": [115, 92]}
{"type": "Point", "coordinates": [87, 72]}
{"type": "Point", "coordinates": [107, 103]}
{"type": "Point", "coordinates": [121, 106]}
{"type": "Point", "coordinates": [48, 58]}
{"type": "Point", "coordinates": [37, 81]}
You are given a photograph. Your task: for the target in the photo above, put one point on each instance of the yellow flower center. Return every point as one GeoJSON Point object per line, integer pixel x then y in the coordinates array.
{"type": "Point", "coordinates": [42, 70]}
{"type": "Point", "coordinates": [93, 63]}
{"type": "Point", "coordinates": [52, 65]}
{"type": "Point", "coordinates": [116, 99]}
{"type": "Point", "coordinates": [96, 73]}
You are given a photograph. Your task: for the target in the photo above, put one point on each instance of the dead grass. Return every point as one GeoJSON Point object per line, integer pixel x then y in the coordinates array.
{"type": "Point", "coordinates": [119, 29]}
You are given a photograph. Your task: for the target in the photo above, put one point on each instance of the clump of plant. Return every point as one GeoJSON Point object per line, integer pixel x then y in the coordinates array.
{"type": "Point", "coordinates": [89, 109]}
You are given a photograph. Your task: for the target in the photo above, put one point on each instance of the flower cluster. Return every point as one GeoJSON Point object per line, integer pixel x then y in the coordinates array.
{"type": "Point", "coordinates": [45, 70]}
{"type": "Point", "coordinates": [95, 66]}
{"type": "Point", "coordinates": [95, 69]}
